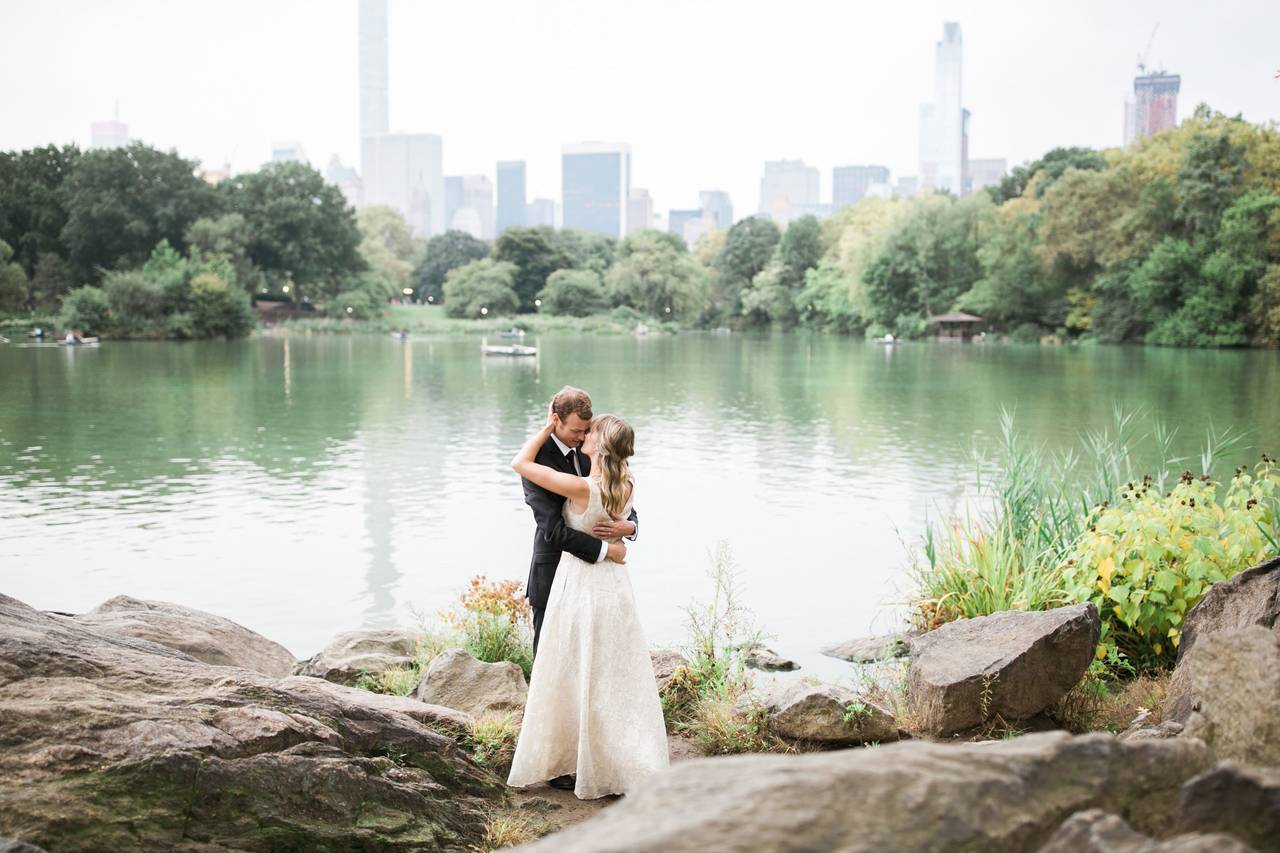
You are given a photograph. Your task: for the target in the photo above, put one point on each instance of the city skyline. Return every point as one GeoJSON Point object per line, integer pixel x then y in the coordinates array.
{"type": "Point", "coordinates": [682, 142]}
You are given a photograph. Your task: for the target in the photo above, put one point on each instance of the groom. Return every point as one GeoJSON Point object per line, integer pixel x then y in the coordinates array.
{"type": "Point", "coordinates": [553, 536]}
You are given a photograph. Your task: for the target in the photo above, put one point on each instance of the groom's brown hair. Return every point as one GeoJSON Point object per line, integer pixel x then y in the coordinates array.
{"type": "Point", "coordinates": [569, 400]}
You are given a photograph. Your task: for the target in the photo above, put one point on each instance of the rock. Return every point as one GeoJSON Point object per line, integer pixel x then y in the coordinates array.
{"type": "Point", "coordinates": [111, 742]}
{"type": "Point", "coordinates": [13, 845]}
{"type": "Point", "coordinates": [1159, 731]}
{"type": "Point", "coordinates": [914, 795]}
{"type": "Point", "coordinates": [823, 712]}
{"type": "Point", "coordinates": [1010, 665]}
{"type": "Point", "coordinates": [201, 635]}
{"type": "Point", "coordinates": [1251, 597]}
{"type": "Point", "coordinates": [1227, 691]}
{"type": "Point", "coordinates": [454, 679]}
{"type": "Point", "coordinates": [1095, 831]}
{"type": "Point", "coordinates": [355, 652]}
{"type": "Point", "coordinates": [871, 649]}
{"type": "Point", "coordinates": [665, 663]}
{"type": "Point", "coordinates": [769, 660]}
{"type": "Point", "coordinates": [1237, 799]}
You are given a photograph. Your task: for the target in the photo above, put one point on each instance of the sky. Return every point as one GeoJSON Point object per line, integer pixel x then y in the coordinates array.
{"type": "Point", "coordinates": [703, 90]}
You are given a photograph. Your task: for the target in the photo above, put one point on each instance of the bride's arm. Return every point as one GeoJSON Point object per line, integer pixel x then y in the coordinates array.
{"type": "Point", "coordinates": [571, 487]}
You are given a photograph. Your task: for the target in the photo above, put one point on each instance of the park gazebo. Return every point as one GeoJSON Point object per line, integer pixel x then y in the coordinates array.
{"type": "Point", "coordinates": [955, 326]}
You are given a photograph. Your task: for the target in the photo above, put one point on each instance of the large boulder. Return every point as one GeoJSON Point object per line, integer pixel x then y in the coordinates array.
{"type": "Point", "coordinates": [1250, 598]}
{"type": "Point", "coordinates": [871, 649]}
{"type": "Point", "coordinates": [1010, 665]}
{"type": "Point", "coordinates": [819, 712]}
{"type": "Point", "coordinates": [1227, 692]}
{"type": "Point", "coordinates": [1243, 801]}
{"type": "Point", "coordinates": [1096, 831]}
{"type": "Point", "coordinates": [454, 679]}
{"type": "Point", "coordinates": [665, 663]}
{"type": "Point", "coordinates": [914, 795]}
{"type": "Point", "coordinates": [201, 635]}
{"type": "Point", "coordinates": [353, 653]}
{"type": "Point", "coordinates": [111, 742]}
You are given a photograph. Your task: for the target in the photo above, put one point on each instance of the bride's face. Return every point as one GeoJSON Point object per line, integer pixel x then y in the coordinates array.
{"type": "Point", "coordinates": [589, 444]}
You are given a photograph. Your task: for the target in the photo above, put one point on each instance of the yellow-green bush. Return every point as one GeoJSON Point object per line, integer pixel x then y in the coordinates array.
{"type": "Point", "coordinates": [1149, 558]}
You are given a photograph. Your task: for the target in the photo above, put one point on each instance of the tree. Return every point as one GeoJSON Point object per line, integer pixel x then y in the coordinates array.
{"type": "Point", "coordinates": [656, 275]}
{"type": "Point", "coordinates": [226, 236]}
{"type": "Point", "coordinates": [747, 249]}
{"type": "Point", "coordinates": [1048, 169]}
{"type": "Point", "coordinates": [219, 309]}
{"type": "Point", "coordinates": [774, 289]}
{"type": "Point", "coordinates": [535, 256]}
{"type": "Point", "coordinates": [86, 309]}
{"type": "Point", "coordinates": [482, 288]}
{"type": "Point", "coordinates": [363, 297]}
{"type": "Point", "coordinates": [1211, 178]}
{"type": "Point", "coordinates": [32, 213]}
{"type": "Point", "coordinates": [586, 250]}
{"type": "Point", "coordinates": [1015, 289]}
{"type": "Point", "coordinates": [13, 282]}
{"type": "Point", "coordinates": [577, 293]}
{"type": "Point", "coordinates": [445, 252]}
{"type": "Point", "coordinates": [52, 281]}
{"type": "Point", "coordinates": [121, 202]}
{"type": "Point", "coordinates": [388, 245]}
{"type": "Point", "coordinates": [302, 230]}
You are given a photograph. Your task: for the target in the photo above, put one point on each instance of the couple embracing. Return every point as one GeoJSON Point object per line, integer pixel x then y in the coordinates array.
{"type": "Point", "coordinates": [592, 721]}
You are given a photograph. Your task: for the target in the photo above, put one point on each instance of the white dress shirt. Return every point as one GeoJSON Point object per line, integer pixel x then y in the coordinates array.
{"type": "Point", "coordinates": [566, 450]}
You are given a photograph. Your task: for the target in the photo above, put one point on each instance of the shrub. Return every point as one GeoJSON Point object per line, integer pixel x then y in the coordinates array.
{"type": "Point", "coordinates": [218, 309]}
{"type": "Point", "coordinates": [576, 293]}
{"type": "Point", "coordinates": [86, 309]}
{"type": "Point", "coordinates": [494, 623]}
{"type": "Point", "coordinates": [1148, 559]}
{"type": "Point", "coordinates": [486, 286]}
{"type": "Point", "coordinates": [137, 303]}
{"type": "Point", "coordinates": [492, 737]}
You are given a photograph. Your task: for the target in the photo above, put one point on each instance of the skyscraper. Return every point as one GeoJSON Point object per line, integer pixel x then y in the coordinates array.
{"type": "Point", "coordinates": [403, 170]}
{"type": "Point", "coordinates": [345, 179]}
{"type": "Point", "coordinates": [477, 207]}
{"type": "Point", "coordinates": [374, 113]}
{"type": "Point", "coordinates": [639, 210]}
{"type": "Point", "coordinates": [677, 219]}
{"type": "Point", "coordinates": [596, 186]}
{"type": "Point", "coordinates": [986, 173]}
{"type": "Point", "coordinates": [452, 199]}
{"type": "Point", "coordinates": [288, 151]}
{"type": "Point", "coordinates": [1154, 107]}
{"type": "Point", "coordinates": [109, 134]}
{"type": "Point", "coordinates": [718, 204]}
{"type": "Point", "coordinates": [942, 122]}
{"type": "Point", "coordinates": [542, 213]}
{"type": "Point", "coordinates": [788, 190]}
{"type": "Point", "coordinates": [511, 195]}
{"type": "Point", "coordinates": [849, 184]}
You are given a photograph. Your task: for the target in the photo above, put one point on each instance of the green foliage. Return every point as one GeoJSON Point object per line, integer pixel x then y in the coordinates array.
{"type": "Point", "coordinates": [32, 212]}
{"type": "Point", "coordinates": [363, 297]}
{"type": "Point", "coordinates": [228, 237]}
{"type": "Point", "coordinates": [219, 309]}
{"type": "Point", "coordinates": [576, 293]}
{"type": "Point", "coordinates": [1045, 171]}
{"type": "Point", "coordinates": [656, 276]}
{"type": "Point", "coordinates": [444, 253]}
{"type": "Point", "coordinates": [86, 309]}
{"type": "Point", "coordinates": [1148, 559]}
{"type": "Point", "coordinates": [494, 623]}
{"type": "Point", "coordinates": [533, 255]}
{"type": "Point", "coordinates": [748, 247]}
{"type": "Point", "coordinates": [388, 246]}
{"type": "Point", "coordinates": [50, 283]}
{"type": "Point", "coordinates": [492, 738]}
{"type": "Point", "coordinates": [586, 250]}
{"type": "Point", "coordinates": [13, 282]}
{"type": "Point", "coordinates": [485, 285]}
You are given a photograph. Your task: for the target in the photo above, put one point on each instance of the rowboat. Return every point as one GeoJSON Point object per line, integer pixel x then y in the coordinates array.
{"type": "Point", "coordinates": [85, 342]}
{"type": "Point", "coordinates": [511, 350]}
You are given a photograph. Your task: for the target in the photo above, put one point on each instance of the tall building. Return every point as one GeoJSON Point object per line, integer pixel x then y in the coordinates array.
{"type": "Point", "coordinates": [542, 213]}
{"type": "Point", "coordinates": [1154, 106]}
{"type": "Point", "coordinates": [374, 111]}
{"type": "Point", "coordinates": [639, 211]}
{"type": "Point", "coordinates": [452, 199]}
{"type": "Point", "coordinates": [511, 195]}
{"type": "Point", "coordinates": [476, 206]}
{"type": "Point", "coordinates": [787, 185]}
{"type": "Point", "coordinates": [849, 184]}
{"type": "Point", "coordinates": [906, 186]}
{"type": "Point", "coordinates": [109, 134]}
{"type": "Point", "coordinates": [345, 179]}
{"type": "Point", "coordinates": [943, 122]}
{"type": "Point", "coordinates": [677, 219]}
{"type": "Point", "coordinates": [719, 206]}
{"type": "Point", "coordinates": [288, 151]}
{"type": "Point", "coordinates": [596, 186]}
{"type": "Point", "coordinates": [986, 173]}
{"type": "Point", "coordinates": [404, 171]}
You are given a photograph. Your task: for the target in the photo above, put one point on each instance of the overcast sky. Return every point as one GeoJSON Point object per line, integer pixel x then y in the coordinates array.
{"type": "Point", "coordinates": [703, 90]}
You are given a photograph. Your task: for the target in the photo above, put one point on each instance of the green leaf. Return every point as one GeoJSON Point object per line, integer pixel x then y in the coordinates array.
{"type": "Point", "coordinates": [1166, 580]}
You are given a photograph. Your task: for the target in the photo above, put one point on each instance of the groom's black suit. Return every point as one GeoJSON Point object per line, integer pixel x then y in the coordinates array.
{"type": "Point", "coordinates": [553, 536]}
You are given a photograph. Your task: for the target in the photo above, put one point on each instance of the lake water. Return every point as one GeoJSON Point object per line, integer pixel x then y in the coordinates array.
{"type": "Point", "coordinates": [308, 485]}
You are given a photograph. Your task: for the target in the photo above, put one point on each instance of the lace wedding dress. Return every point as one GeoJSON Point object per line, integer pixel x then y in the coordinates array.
{"type": "Point", "coordinates": [593, 705]}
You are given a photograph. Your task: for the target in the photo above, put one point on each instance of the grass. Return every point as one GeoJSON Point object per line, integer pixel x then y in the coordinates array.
{"type": "Point", "coordinates": [511, 827]}
{"type": "Point", "coordinates": [432, 320]}
{"type": "Point", "coordinates": [1100, 703]}
{"type": "Point", "coordinates": [492, 738]}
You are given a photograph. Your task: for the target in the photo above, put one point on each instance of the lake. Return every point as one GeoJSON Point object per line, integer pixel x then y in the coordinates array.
{"type": "Point", "coordinates": [307, 485]}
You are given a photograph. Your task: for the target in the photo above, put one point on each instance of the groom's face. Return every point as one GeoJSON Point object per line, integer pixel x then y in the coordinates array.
{"type": "Point", "coordinates": [573, 429]}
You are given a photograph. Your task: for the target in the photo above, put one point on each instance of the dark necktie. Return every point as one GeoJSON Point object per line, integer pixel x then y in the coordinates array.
{"type": "Point", "coordinates": [573, 460]}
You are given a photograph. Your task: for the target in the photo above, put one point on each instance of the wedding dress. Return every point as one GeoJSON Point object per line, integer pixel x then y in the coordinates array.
{"type": "Point", "coordinates": [593, 706]}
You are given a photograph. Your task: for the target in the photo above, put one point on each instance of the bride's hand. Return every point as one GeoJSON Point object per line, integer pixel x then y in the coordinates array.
{"type": "Point", "coordinates": [553, 420]}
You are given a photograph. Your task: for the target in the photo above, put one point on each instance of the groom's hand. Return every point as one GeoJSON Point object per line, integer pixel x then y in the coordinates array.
{"type": "Point", "coordinates": [613, 529]}
{"type": "Point", "coordinates": [617, 553]}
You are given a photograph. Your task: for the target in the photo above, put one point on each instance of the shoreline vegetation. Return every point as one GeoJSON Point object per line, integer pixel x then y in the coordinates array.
{"type": "Point", "coordinates": [1172, 241]}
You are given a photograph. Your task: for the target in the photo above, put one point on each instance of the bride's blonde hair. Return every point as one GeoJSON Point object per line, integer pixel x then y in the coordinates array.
{"type": "Point", "coordinates": [615, 443]}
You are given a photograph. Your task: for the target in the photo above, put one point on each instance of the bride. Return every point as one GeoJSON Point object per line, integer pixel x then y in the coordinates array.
{"type": "Point", "coordinates": [593, 706]}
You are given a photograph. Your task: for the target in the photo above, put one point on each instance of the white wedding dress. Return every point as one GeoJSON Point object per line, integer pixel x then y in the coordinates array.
{"type": "Point", "coordinates": [593, 706]}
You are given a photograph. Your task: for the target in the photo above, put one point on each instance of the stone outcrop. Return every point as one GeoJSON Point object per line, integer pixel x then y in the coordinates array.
{"type": "Point", "coordinates": [1250, 598]}
{"type": "Point", "coordinates": [1096, 831]}
{"type": "Point", "coordinates": [455, 679]}
{"type": "Point", "coordinates": [823, 713]}
{"type": "Point", "coordinates": [111, 742]}
{"type": "Point", "coordinates": [1227, 692]}
{"type": "Point", "coordinates": [665, 663]}
{"type": "Point", "coordinates": [1009, 665]}
{"type": "Point", "coordinates": [871, 649]}
{"type": "Point", "coordinates": [1237, 799]}
{"type": "Point", "coordinates": [915, 795]}
{"type": "Point", "coordinates": [354, 652]}
{"type": "Point", "coordinates": [770, 661]}
{"type": "Point", "coordinates": [201, 635]}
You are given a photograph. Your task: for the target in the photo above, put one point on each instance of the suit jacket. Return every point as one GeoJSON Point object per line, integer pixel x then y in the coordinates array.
{"type": "Point", "coordinates": [553, 537]}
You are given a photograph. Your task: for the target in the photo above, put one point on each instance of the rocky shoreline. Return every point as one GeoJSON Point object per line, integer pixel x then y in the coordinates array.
{"type": "Point", "coordinates": [145, 725]}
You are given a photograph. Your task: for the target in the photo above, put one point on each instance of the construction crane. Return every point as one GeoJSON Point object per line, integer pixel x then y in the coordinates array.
{"type": "Point", "coordinates": [1146, 51]}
